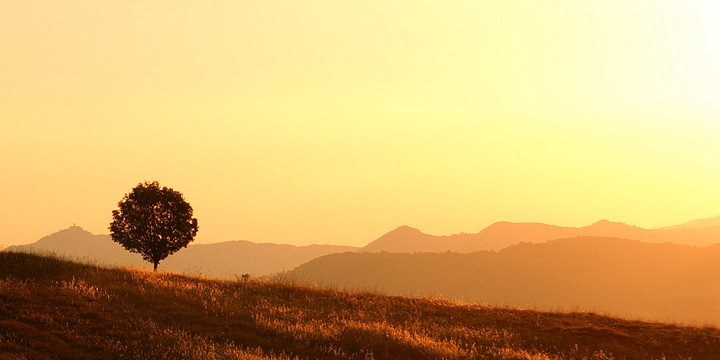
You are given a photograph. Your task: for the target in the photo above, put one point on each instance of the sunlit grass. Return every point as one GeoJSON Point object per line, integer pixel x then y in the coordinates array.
{"type": "Point", "coordinates": [51, 307]}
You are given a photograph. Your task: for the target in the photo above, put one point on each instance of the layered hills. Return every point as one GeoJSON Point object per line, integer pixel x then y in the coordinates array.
{"type": "Point", "coordinates": [667, 274]}
{"type": "Point", "coordinates": [667, 282]}
{"type": "Point", "coordinates": [503, 234]}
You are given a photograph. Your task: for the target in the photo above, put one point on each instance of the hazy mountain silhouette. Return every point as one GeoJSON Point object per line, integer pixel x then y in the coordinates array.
{"type": "Point", "coordinates": [221, 260]}
{"type": "Point", "coordinates": [78, 243]}
{"type": "Point", "coordinates": [228, 259]}
{"type": "Point", "coordinates": [667, 282]}
{"type": "Point", "coordinates": [408, 239]}
{"type": "Point", "coordinates": [696, 224]}
{"type": "Point", "coordinates": [503, 234]}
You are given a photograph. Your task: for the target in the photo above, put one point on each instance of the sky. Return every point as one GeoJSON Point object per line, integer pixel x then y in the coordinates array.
{"type": "Point", "coordinates": [322, 121]}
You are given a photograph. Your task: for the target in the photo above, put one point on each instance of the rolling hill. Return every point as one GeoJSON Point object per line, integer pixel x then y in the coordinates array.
{"type": "Point", "coordinates": [51, 308]}
{"type": "Point", "coordinates": [667, 282]}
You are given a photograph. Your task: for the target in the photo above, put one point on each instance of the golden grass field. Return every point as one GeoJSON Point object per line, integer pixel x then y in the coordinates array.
{"type": "Point", "coordinates": [52, 308]}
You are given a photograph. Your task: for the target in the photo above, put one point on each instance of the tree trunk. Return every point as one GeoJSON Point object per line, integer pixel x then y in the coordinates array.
{"type": "Point", "coordinates": [155, 266]}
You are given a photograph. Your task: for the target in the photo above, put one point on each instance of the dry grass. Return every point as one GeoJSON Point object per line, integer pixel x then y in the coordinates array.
{"type": "Point", "coordinates": [51, 308]}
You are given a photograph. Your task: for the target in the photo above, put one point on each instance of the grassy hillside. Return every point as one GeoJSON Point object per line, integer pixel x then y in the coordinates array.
{"type": "Point", "coordinates": [51, 308]}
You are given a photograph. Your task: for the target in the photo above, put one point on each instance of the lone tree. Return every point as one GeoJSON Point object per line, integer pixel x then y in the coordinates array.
{"type": "Point", "coordinates": [154, 222]}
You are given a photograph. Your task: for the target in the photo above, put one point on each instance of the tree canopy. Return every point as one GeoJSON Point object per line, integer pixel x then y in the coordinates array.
{"type": "Point", "coordinates": [154, 222]}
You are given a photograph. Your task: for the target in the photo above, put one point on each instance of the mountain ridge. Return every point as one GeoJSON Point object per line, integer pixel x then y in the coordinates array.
{"type": "Point", "coordinates": [504, 233]}
{"type": "Point", "coordinates": [230, 259]}
{"type": "Point", "coordinates": [696, 224]}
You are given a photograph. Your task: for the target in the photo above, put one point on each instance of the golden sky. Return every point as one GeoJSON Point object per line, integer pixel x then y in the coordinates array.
{"type": "Point", "coordinates": [336, 121]}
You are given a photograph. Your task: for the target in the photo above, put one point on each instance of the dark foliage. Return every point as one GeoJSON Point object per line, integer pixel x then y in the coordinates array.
{"type": "Point", "coordinates": [154, 222]}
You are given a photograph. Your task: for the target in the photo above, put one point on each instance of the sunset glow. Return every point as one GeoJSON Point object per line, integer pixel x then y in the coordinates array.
{"type": "Point", "coordinates": [305, 122]}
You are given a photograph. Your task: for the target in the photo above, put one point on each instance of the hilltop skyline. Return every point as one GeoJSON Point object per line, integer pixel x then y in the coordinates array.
{"type": "Point", "coordinates": [301, 122]}
{"type": "Point", "coordinates": [496, 236]}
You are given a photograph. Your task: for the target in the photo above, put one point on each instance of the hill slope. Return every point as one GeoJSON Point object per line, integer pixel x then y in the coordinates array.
{"type": "Point", "coordinates": [657, 281]}
{"type": "Point", "coordinates": [57, 309]}
{"type": "Point", "coordinates": [224, 260]}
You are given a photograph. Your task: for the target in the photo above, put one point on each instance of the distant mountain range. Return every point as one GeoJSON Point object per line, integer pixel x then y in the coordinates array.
{"type": "Point", "coordinates": [226, 260]}
{"type": "Point", "coordinates": [503, 234]}
{"type": "Point", "coordinates": [696, 224]}
{"type": "Point", "coordinates": [234, 258]}
{"type": "Point", "coordinates": [667, 282]}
